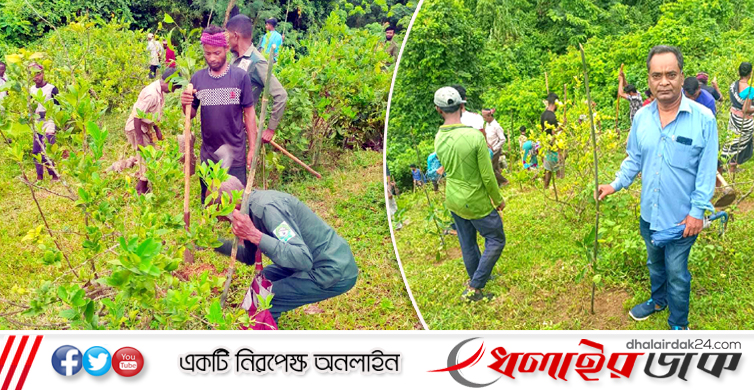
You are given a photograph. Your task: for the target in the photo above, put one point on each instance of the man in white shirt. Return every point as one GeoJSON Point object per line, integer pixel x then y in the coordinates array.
{"type": "Point", "coordinates": [155, 50]}
{"type": "Point", "coordinates": [495, 140]}
{"type": "Point", "coordinates": [469, 118]}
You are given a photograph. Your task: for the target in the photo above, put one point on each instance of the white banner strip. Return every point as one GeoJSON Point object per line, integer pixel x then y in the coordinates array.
{"type": "Point", "coordinates": [395, 360]}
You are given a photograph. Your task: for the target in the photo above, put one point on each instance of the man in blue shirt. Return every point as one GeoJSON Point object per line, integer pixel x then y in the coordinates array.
{"type": "Point", "coordinates": [272, 37]}
{"type": "Point", "coordinates": [673, 143]}
{"type": "Point", "coordinates": [693, 91]}
{"type": "Point", "coordinates": [417, 175]}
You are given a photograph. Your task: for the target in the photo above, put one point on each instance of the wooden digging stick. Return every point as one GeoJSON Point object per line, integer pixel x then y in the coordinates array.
{"type": "Point", "coordinates": [250, 180]}
{"type": "Point", "coordinates": [292, 157]}
{"type": "Point", "coordinates": [565, 104]}
{"type": "Point", "coordinates": [547, 84]}
{"type": "Point", "coordinates": [188, 256]}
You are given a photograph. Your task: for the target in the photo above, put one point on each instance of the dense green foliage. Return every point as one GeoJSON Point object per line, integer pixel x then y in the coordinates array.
{"type": "Point", "coordinates": [21, 20]}
{"type": "Point", "coordinates": [338, 91]}
{"type": "Point", "coordinates": [547, 261]}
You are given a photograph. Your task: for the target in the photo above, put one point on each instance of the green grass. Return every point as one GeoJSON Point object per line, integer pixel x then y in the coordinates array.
{"type": "Point", "coordinates": [349, 198]}
{"type": "Point", "coordinates": [538, 284]}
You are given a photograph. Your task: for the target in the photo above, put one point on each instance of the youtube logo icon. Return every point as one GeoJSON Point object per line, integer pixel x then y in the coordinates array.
{"type": "Point", "coordinates": [127, 361]}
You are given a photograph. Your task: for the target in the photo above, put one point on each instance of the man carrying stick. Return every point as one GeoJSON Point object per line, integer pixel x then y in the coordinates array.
{"type": "Point", "coordinates": [673, 143]}
{"type": "Point", "coordinates": [629, 92]}
{"type": "Point", "coordinates": [248, 58]}
{"type": "Point", "coordinates": [228, 119]}
{"type": "Point", "coordinates": [311, 262]}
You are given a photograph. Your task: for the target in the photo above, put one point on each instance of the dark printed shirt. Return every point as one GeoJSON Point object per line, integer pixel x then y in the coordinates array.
{"type": "Point", "coordinates": [548, 117]}
{"type": "Point", "coordinates": [634, 104]}
{"type": "Point", "coordinates": [222, 100]}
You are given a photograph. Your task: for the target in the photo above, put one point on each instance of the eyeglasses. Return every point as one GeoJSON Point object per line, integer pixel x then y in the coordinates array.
{"type": "Point", "coordinates": [657, 76]}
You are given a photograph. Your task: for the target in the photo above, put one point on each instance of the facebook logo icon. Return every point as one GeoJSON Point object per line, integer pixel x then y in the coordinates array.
{"type": "Point", "coordinates": [67, 360]}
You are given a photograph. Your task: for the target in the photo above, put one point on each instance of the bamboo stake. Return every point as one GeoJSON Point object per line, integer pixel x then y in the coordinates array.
{"type": "Point", "coordinates": [287, 10]}
{"type": "Point", "coordinates": [296, 160]}
{"type": "Point", "coordinates": [617, 101]}
{"type": "Point", "coordinates": [227, 11]}
{"type": "Point", "coordinates": [547, 84]}
{"type": "Point", "coordinates": [250, 180]}
{"type": "Point", "coordinates": [596, 173]}
{"type": "Point", "coordinates": [188, 256]}
{"type": "Point", "coordinates": [565, 104]}
{"type": "Point", "coordinates": [510, 134]}
{"type": "Point", "coordinates": [264, 175]}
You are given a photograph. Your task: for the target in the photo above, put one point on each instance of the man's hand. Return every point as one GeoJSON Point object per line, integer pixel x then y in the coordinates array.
{"type": "Point", "coordinates": [693, 226]}
{"type": "Point", "coordinates": [267, 136]}
{"type": "Point", "coordinates": [501, 206]}
{"type": "Point", "coordinates": [249, 157]}
{"type": "Point", "coordinates": [244, 229]}
{"type": "Point", "coordinates": [187, 98]}
{"type": "Point", "coordinates": [603, 191]}
{"type": "Point", "coordinates": [714, 82]}
{"type": "Point", "coordinates": [158, 132]}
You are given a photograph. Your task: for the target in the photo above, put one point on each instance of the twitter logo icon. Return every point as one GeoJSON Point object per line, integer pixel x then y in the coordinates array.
{"type": "Point", "coordinates": [97, 361]}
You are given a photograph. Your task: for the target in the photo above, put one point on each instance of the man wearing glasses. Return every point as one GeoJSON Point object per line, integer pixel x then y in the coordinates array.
{"type": "Point", "coordinates": [673, 143]}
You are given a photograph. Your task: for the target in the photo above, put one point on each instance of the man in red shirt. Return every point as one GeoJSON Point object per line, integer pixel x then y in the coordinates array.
{"type": "Point", "coordinates": [169, 55]}
{"type": "Point", "coordinates": [649, 99]}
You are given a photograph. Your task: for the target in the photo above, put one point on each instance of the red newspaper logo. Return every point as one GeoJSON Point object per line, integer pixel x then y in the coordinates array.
{"type": "Point", "coordinates": [588, 364]}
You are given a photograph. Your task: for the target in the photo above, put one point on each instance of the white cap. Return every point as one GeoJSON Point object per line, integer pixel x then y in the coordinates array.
{"type": "Point", "coordinates": [150, 35]}
{"type": "Point", "coordinates": [447, 97]}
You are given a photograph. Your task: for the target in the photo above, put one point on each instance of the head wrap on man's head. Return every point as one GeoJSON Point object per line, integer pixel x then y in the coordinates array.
{"type": "Point", "coordinates": [218, 39]}
{"type": "Point", "coordinates": [35, 67]}
{"type": "Point", "coordinates": [703, 77]}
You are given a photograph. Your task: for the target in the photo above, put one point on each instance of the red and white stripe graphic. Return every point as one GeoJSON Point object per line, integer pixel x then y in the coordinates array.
{"type": "Point", "coordinates": [15, 361]}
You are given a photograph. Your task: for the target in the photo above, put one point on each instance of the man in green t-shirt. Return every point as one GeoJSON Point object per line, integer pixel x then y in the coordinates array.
{"type": "Point", "coordinates": [471, 192]}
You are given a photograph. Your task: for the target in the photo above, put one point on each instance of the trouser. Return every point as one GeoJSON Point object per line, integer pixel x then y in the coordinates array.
{"type": "Point", "coordinates": [435, 184]}
{"type": "Point", "coordinates": [238, 172]}
{"type": "Point", "coordinates": [669, 275]}
{"type": "Point", "coordinates": [153, 71]}
{"type": "Point", "coordinates": [146, 139]}
{"type": "Point", "coordinates": [479, 266]}
{"type": "Point", "coordinates": [496, 167]}
{"type": "Point", "coordinates": [290, 292]}
{"type": "Point", "coordinates": [37, 149]}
